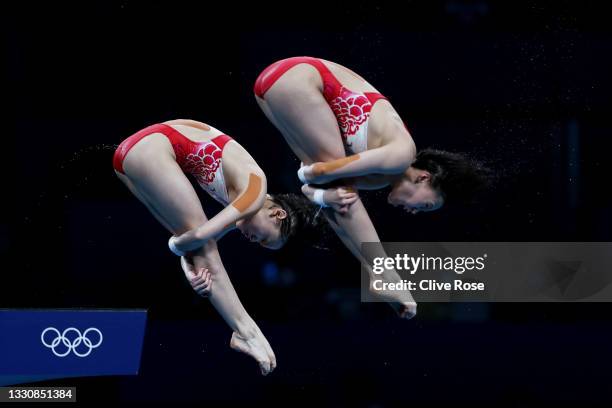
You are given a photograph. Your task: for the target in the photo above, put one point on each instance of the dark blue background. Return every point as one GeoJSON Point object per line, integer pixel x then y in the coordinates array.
{"type": "Point", "coordinates": [522, 85]}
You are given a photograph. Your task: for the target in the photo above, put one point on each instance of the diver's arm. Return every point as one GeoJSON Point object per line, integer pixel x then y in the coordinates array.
{"type": "Point", "coordinates": [393, 158]}
{"type": "Point", "coordinates": [249, 201]}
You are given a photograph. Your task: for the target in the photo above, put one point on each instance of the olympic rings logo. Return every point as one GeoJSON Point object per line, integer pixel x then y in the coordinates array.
{"type": "Point", "coordinates": [80, 344]}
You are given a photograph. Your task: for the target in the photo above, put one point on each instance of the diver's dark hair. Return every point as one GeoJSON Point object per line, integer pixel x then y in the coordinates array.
{"type": "Point", "coordinates": [304, 219]}
{"type": "Point", "coordinates": [458, 177]}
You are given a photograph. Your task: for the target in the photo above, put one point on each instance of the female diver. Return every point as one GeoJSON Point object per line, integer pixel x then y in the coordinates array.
{"type": "Point", "coordinates": [153, 164]}
{"type": "Point", "coordinates": [344, 130]}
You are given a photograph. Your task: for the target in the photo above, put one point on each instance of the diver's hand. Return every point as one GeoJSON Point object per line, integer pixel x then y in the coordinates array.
{"type": "Point", "coordinates": [340, 198]}
{"type": "Point", "coordinates": [200, 281]}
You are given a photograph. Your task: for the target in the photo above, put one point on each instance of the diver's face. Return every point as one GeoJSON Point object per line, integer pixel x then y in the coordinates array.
{"type": "Point", "coordinates": [264, 227]}
{"type": "Point", "coordinates": [415, 194]}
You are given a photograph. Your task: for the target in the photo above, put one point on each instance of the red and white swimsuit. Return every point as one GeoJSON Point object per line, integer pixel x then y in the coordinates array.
{"type": "Point", "coordinates": [200, 159]}
{"type": "Point", "coordinates": [352, 109]}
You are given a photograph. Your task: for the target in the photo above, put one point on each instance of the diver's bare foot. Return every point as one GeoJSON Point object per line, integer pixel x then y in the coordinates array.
{"type": "Point", "coordinates": [400, 300]}
{"type": "Point", "coordinates": [403, 303]}
{"type": "Point", "coordinates": [404, 310]}
{"type": "Point", "coordinates": [257, 347]}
